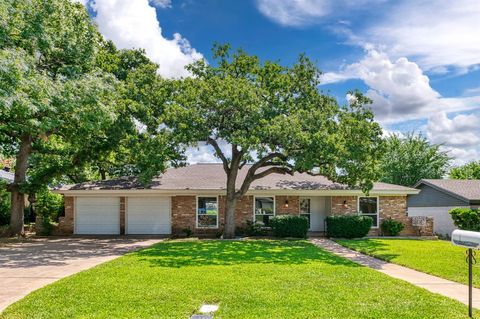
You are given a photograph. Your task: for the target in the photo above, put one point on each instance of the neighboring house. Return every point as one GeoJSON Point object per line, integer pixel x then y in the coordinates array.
{"type": "Point", "coordinates": [6, 176]}
{"type": "Point", "coordinates": [194, 197]}
{"type": "Point", "coordinates": [438, 196]}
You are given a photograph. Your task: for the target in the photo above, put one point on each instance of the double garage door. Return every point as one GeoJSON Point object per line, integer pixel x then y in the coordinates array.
{"type": "Point", "coordinates": [143, 215]}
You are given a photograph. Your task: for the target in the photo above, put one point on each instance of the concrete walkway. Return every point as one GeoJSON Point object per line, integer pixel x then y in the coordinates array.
{"type": "Point", "coordinates": [34, 263]}
{"type": "Point", "coordinates": [433, 284]}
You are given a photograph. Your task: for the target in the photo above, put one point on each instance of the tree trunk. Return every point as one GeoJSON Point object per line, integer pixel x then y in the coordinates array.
{"type": "Point", "coordinates": [230, 204]}
{"type": "Point", "coordinates": [18, 197]}
{"type": "Point", "coordinates": [103, 174]}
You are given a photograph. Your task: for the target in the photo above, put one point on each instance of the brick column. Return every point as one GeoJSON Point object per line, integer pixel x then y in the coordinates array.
{"type": "Point", "coordinates": [66, 223]}
{"type": "Point", "coordinates": [343, 205]}
{"type": "Point", "coordinates": [281, 206]}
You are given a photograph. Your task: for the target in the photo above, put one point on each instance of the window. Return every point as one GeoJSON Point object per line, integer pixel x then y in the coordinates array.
{"type": "Point", "coordinates": [368, 206]}
{"type": "Point", "coordinates": [207, 212]}
{"type": "Point", "coordinates": [264, 210]}
{"type": "Point", "coordinates": [305, 209]}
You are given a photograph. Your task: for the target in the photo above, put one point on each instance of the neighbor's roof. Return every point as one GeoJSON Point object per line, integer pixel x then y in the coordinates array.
{"type": "Point", "coordinates": [212, 177]}
{"type": "Point", "coordinates": [7, 176]}
{"type": "Point", "coordinates": [465, 189]}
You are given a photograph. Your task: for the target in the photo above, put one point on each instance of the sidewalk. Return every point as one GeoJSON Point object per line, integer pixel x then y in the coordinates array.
{"type": "Point", "coordinates": [433, 284]}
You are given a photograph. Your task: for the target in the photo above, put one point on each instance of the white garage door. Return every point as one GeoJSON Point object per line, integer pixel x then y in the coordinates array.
{"type": "Point", "coordinates": [442, 221]}
{"type": "Point", "coordinates": [97, 215]}
{"type": "Point", "coordinates": [148, 215]}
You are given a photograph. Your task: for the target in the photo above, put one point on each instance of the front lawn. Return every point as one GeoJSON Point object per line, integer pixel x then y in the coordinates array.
{"type": "Point", "coordinates": [437, 257]}
{"type": "Point", "coordinates": [248, 279]}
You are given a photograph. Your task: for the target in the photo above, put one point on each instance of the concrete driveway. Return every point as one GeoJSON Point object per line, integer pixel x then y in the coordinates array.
{"type": "Point", "coordinates": [34, 263]}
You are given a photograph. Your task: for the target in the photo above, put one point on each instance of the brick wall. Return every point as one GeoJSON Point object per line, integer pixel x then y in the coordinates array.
{"type": "Point", "coordinates": [183, 213]}
{"type": "Point", "coordinates": [395, 207]}
{"type": "Point", "coordinates": [342, 205]}
{"type": "Point", "coordinates": [293, 205]}
{"type": "Point", "coordinates": [66, 223]}
{"type": "Point", "coordinates": [243, 210]}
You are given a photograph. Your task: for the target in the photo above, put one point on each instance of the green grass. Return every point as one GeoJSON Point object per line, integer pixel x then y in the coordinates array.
{"type": "Point", "coordinates": [248, 279]}
{"type": "Point", "coordinates": [437, 257]}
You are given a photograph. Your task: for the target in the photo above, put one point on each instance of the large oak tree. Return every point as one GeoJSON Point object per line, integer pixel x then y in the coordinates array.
{"type": "Point", "coordinates": [69, 100]}
{"type": "Point", "coordinates": [274, 118]}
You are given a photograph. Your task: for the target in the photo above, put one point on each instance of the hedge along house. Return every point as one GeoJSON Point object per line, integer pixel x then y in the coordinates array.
{"type": "Point", "coordinates": [193, 197]}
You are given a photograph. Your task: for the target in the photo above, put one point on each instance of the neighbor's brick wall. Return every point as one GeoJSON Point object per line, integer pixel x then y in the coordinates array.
{"type": "Point", "coordinates": [66, 223]}
{"type": "Point", "coordinates": [293, 205]}
{"type": "Point", "coordinates": [339, 208]}
{"type": "Point", "coordinates": [122, 215]}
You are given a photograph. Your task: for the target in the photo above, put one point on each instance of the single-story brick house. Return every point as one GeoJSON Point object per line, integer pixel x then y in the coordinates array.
{"type": "Point", "coordinates": [438, 196]}
{"type": "Point", "coordinates": [194, 197]}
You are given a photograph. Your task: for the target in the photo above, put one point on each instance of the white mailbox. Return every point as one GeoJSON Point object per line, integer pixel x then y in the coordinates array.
{"type": "Point", "coordinates": [466, 238]}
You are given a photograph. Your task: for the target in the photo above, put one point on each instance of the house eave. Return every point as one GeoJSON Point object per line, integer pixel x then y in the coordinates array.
{"type": "Point", "coordinates": [173, 192]}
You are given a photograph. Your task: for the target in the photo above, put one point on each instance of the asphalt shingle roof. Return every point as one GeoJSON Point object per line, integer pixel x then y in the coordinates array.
{"type": "Point", "coordinates": [212, 177]}
{"type": "Point", "coordinates": [467, 189]}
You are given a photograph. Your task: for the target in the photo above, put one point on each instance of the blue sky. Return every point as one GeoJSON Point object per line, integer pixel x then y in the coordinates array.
{"type": "Point", "coordinates": [422, 70]}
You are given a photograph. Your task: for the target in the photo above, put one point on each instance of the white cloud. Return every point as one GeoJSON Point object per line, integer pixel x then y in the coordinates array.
{"type": "Point", "coordinates": [134, 24]}
{"type": "Point", "coordinates": [164, 4]}
{"type": "Point", "coordinates": [205, 153]}
{"type": "Point", "coordinates": [460, 135]}
{"type": "Point", "coordinates": [296, 12]}
{"type": "Point", "coordinates": [437, 33]}
{"type": "Point", "coordinates": [305, 12]}
{"type": "Point", "coordinates": [399, 89]}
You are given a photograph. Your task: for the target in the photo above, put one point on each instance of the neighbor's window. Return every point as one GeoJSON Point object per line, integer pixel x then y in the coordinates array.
{"type": "Point", "coordinates": [367, 206]}
{"type": "Point", "coordinates": [207, 212]}
{"type": "Point", "coordinates": [264, 210]}
{"type": "Point", "coordinates": [305, 209]}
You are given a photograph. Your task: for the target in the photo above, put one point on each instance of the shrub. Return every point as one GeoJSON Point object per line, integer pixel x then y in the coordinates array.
{"type": "Point", "coordinates": [44, 226]}
{"type": "Point", "coordinates": [391, 227]}
{"type": "Point", "coordinates": [289, 226]}
{"type": "Point", "coordinates": [188, 232]}
{"type": "Point", "coordinates": [348, 226]}
{"type": "Point", "coordinates": [466, 218]}
{"type": "Point", "coordinates": [251, 229]}
{"type": "Point", "coordinates": [48, 205]}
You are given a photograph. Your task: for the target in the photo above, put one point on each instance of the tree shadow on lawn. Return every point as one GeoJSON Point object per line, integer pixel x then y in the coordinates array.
{"type": "Point", "coordinates": [217, 252]}
{"type": "Point", "coordinates": [371, 247]}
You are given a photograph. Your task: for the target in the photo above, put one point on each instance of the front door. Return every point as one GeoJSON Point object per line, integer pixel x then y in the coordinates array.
{"type": "Point", "coordinates": [315, 209]}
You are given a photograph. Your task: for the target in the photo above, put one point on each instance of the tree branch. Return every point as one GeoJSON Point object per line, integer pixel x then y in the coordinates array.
{"type": "Point", "coordinates": [273, 170]}
{"type": "Point", "coordinates": [219, 153]}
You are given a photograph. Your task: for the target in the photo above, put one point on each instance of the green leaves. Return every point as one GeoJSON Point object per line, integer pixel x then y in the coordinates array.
{"type": "Point", "coordinates": [264, 108]}
{"type": "Point", "coordinates": [408, 159]}
{"type": "Point", "coordinates": [467, 171]}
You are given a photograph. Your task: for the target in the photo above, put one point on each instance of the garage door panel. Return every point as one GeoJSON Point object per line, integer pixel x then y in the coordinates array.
{"type": "Point", "coordinates": [97, 215]}
{"type": "Point", "coordinates": [148, 215]}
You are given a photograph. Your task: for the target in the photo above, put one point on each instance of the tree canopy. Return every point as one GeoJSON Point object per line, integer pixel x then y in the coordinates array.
{"type": "Point", "coordinates": [467, 171]}
{"type": "Point", "coordinates": [275, 118]}
{"type": "Point", "coordinates": [69, 100]}
{"type": "Point", "coordinates": [408, 159]}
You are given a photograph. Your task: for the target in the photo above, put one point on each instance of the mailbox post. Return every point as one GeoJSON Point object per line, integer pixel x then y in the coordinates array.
{"type": "Point", "coordinates": [469, 240]}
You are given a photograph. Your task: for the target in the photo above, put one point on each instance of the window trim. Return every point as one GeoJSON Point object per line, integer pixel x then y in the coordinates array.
{"type": "Point", "coordinates": [196, 212]}
{"type": "Point", "coordinates": [300, 198]}
{"type": "Point", "coordinates": [274, 205]}
{"type": "Point", "coordinates": [378, 209]}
